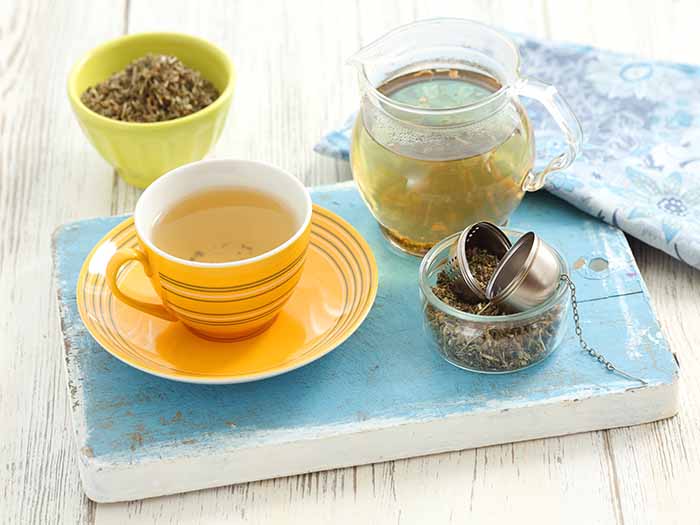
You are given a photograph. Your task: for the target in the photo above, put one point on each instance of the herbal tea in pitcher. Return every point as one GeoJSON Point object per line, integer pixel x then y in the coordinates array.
{"type": "Point", "coordinates": [442, 140]}
{"type": "Point", "coordinates": [421, 191]}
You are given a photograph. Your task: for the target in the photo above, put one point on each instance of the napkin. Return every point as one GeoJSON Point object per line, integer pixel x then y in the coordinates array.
{"type": "Point", "coordinates": [639, 168]}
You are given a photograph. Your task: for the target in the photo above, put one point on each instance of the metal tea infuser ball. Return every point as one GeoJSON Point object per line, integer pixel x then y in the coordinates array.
{"type": "Point", "coordinates": [528, 273]}
{"type": "Point", "coordinates": [526, 276]}
{"type": "Point", "coordinates": [484, 235]}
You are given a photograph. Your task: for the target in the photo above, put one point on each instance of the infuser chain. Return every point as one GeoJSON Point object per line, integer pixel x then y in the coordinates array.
{"type": "Point", "coordinates": [584, 346]}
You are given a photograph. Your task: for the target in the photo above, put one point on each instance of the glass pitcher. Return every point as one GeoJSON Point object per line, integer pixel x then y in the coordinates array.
{"type": "Point", "coordinates": [442, 140]}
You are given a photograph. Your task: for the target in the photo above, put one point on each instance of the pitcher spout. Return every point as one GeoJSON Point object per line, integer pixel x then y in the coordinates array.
{"type": "Point", "coordinates": [377, 51]}
{"type": "Point", "coordinates": [389, 46]}
{"type": "Point", "coordinates": [362, 57]}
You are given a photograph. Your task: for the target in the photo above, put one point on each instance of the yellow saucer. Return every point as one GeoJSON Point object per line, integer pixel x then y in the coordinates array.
{"type": "Point", "coordinates": [335, 293]}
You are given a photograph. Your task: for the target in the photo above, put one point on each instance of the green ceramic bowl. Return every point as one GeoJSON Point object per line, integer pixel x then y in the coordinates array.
{"type": "Point", "coordinates": [142, 152]}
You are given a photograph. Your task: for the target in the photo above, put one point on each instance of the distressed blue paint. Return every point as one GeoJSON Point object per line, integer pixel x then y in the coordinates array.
{"type": "Point", "coordinates": [386, 370]}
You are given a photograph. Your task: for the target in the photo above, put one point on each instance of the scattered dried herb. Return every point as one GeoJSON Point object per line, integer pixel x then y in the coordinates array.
{"type": "Point", "coordinates": [406, 244]}
{"type": "Point", "coordinates": [494, 347]}
{"type": "Point", "coordinates": [153, 88]}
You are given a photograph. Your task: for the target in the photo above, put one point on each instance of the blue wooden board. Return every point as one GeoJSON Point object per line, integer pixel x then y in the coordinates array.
{"type": "Point", "coordinates": [385, 374]}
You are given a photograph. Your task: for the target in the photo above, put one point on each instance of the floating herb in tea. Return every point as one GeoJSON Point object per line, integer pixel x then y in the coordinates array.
{"type": "Point", "coordinates": [493, 348]}
{"type": "Point", "coordinates": [430, 174]}
{"type": "Point", "coordinates": [153, 88]}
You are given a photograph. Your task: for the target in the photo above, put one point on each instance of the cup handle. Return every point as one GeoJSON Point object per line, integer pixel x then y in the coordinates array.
{"type": "Point", "coordinates": [118, 260]}
{"type": "Point", "coordinates": [560, 110]}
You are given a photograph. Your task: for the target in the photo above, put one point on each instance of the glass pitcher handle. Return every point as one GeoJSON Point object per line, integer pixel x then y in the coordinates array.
{"type": "Point", "coordinates": [560, 110]}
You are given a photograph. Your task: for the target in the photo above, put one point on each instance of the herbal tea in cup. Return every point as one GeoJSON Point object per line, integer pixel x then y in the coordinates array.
{"type": "Point", "coordinates": [223, 243]}
{"type": "Point", "coordinates": [442, 140]}
{"type": "Point", "coordinates": [224, 224]}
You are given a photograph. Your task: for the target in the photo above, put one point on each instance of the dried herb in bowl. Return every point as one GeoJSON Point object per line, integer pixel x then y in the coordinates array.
{"type": "Point", "coordinates": [153, 88]}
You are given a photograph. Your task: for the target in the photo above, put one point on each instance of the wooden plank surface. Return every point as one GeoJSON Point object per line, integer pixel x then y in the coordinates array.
{"type": "Point", "coordinates": [48, 174]}
{"type": "Point", "coordinates": [293, 86]}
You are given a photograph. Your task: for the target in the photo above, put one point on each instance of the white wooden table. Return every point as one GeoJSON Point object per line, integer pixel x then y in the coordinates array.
{"type": "Point", "coordinates": [293, 86]}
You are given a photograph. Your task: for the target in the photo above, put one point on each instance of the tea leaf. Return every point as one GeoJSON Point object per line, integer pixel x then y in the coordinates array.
{"type": "Point", "coordinates": [482, 264]}
{"type": "Point", "coordinates": [153, 88]}
{"type": "Point", "coordinates": [483, 346]}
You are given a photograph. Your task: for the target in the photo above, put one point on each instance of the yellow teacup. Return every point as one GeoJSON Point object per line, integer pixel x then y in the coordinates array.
{"type": "Point", "coordinates": [217, 300]}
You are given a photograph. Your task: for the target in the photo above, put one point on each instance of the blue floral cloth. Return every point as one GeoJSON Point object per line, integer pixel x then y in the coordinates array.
{"type": "Point", "coordinates": [640, 165]}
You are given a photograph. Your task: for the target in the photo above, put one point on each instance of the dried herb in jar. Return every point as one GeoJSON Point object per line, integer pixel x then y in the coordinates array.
{"type": "Point", "coordinates": [153, 88]}
{"type": "Point", "coordinates": [482, 346]}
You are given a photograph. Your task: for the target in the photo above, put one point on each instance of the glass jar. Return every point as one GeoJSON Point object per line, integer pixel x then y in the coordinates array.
{"type": "Point", "coordinates": [490, 344]}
